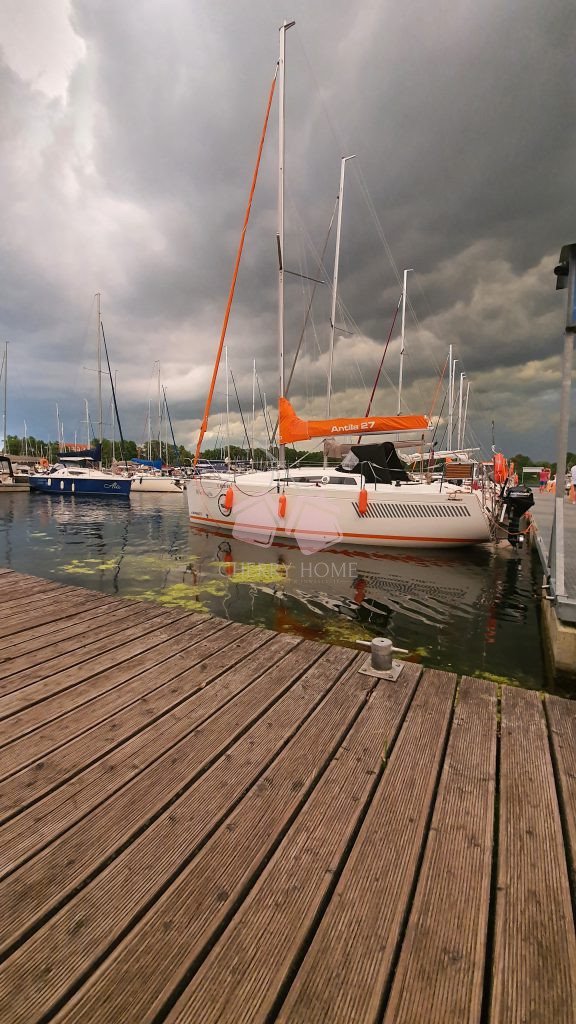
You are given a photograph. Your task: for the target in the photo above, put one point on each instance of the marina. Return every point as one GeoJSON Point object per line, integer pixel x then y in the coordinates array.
{"type": "Point", "coordinates": [200, 815]}
{"type": "Point", "coordinates": [474, 611]}
{"type": "Point", "coordinates": [288, 552]}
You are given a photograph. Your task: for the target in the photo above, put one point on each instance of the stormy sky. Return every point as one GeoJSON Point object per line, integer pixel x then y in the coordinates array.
{"type": "Point", "coordinates": [129, 135]}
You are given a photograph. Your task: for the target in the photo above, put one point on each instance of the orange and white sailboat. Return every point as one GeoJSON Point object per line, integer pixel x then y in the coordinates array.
{"type": "Point", "coordinates": [369, 499]}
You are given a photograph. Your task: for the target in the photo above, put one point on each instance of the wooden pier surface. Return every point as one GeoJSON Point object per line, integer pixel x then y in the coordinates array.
{"type": "Point", "coordinates": [206, 822]}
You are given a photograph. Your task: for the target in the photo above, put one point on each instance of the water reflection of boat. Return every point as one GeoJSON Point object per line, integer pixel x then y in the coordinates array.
{"type": "Point", "coordinates": [357, 584]}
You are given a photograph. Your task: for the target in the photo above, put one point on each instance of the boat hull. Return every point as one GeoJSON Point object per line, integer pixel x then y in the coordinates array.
{"type": "Point", "coordinates": [157, 485]}
{"type": "Point", "coordinates": [316, 519]}
{"type": "Point", "coordinates": [93, 487]}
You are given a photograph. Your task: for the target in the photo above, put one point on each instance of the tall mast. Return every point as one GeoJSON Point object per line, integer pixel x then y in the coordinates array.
{"type": "Point", "coordinates": [454, 361]}
{"type": "Point", "coordinates": [57, 425]}
{"type": "Point", "coordinates": [462, 375]}
{"type": "Point", "coordinates": [406, 272]}
{"type": "Point", "coordinates": [149, 431]}
{"type": "Point", "coordinates": [88, 438]}
{"type": "Point", "coordinates": [227, 403]}
{"type": "Point", "coordinates": [99, 366]}
{"type": "Point", "coordinates": [465, 411]}
{"type": "Point", "coordinates": [335, 281]}
{"type": "Point", "coordinates": [253, 406]}
{"type": "Point", "coordinates": [5, 445]}
{"type": "Point", "coordinates": [281, 150]}
{"type": "Point", "coordinates": [450, 398]}
{"type": "Point", "coordinates": [159, 416]}
{"type": "Point", "coordinates": [114, 422]}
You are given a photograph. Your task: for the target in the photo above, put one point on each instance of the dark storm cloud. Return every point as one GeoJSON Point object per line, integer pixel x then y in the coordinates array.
{"type": "Point", "coordinates": [135, 183]}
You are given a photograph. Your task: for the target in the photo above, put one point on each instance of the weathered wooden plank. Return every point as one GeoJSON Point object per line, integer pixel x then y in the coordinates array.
{"type": "Point", "coordinates": [104, 763]}
{"type": "Point", "coordinates": [76, 709]}
{"type": "Point", "coordinates": [12, 646]}
{"type": "Point", "coordinates": [42, 681]}
{"type": "Point", "coordinates": [79, 641]}
{"type": "Point", "coordinates": [562, 726]}
{"type": "Point", "coordinates": [440, 973]}
{"type": "Point", "coordinates": [21, 596]}
{"type": "Point", "coordinates": [24, 608]}
{"type": "Point", "coordinates": [208, 889]}
{"type": "Point", "coordinates": [60, 609]}
{"type": "Point", "coordinates": [345, 972]}
{"type": "Point", "coordinates": [534, 962]}
{"type": "Point", "coordinates": [245, 973]}
{"type": "Point", "coordinates": [135, 642]}
{"type": "Point", "coordinates": [155, 796]}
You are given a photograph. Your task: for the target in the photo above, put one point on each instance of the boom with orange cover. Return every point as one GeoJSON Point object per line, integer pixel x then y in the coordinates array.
{"type": "Point", "coordinates": [292, 428]}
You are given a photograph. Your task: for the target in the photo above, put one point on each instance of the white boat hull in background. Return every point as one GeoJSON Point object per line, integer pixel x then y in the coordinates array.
{"type": "Point", "coordinates": [157, 485]}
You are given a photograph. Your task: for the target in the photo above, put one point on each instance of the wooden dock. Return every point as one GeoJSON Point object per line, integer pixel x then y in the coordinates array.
{"type": "Point", "coordinates": [207, 822]}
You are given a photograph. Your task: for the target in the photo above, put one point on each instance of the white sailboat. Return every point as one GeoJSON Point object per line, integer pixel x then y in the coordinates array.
{"type": "Point", "coordinates": [369, 499]}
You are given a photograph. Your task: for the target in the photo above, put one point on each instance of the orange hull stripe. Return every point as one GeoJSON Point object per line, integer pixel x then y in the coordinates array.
{"type": "Point", "coordinates": [322, 533]}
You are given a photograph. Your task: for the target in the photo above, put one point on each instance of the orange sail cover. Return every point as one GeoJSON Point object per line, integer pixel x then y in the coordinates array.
{"type": "Point", "coordinates": [292, 428]}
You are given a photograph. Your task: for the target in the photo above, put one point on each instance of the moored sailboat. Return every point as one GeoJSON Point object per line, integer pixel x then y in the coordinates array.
{"type": "Point", "coordinates": [368, 500]}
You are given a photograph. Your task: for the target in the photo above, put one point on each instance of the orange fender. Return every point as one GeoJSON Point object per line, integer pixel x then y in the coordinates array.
{"type": "Point", "coordinates": [282, 506]}
{"type": "Point", "coordinates": [363, 501]}
{"type": "Point", "coordinates": [500, 468]}
{"type": "Point", "coordinates": [229, 499]}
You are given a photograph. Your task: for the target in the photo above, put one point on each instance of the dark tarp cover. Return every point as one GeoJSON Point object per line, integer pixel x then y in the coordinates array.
{"type": "Point", "coordinates": [379, 463]}
{"type": "Point", "coordinates": [85, 453]}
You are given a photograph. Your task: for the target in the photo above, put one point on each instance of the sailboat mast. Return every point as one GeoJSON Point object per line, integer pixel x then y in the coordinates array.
{"type": "Point", "coordinates": [465, 411]}
{"type": "Point", "coordinates": [335, 282]}
{"type": "Point", "coordinates": [450, 379]}
{"type": "Point", "coordinates": [88, 438]}
{"type": "Point", "coordinates": [253, 406]}
{"type": "Point", "coordinates": [5, 445]}
{"type": "Point", "coordinates": [99, 367]}
{"type": "Point", "coordinates": [406, 272]}
{"type": "Point", "coordinates": [281, 154]}
{"type": "Point", "coordinates": [462, 375]}
{"type": "Point", "coordinates": [114, 421]}
{"type": "Point", "coordinates": [227, 403]}
{"type": "Point", "coordinates": [159, 416]}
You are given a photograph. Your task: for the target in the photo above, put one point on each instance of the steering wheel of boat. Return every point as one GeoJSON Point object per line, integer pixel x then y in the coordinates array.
{"type": "Point", "coordinates": [325, 480]}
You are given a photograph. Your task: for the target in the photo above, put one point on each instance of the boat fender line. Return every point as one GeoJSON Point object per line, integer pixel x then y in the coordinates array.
{"type": "Point", "coordinates": [362, 501]}
{"type": "Point", "coordinates": [282, 506]}
{"type": "Point", "coordinates": [229, 498]}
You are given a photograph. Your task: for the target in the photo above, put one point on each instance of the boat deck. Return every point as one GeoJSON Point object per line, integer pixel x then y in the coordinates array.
{"type": "Point", "coordinates": [204, 821]}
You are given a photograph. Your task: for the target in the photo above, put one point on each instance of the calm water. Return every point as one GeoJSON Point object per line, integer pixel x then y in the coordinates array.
{"type": "Point", "coordinates": [476, 612]}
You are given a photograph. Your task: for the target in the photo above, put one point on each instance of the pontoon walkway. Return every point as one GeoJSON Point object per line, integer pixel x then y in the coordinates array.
{"type": "Point", "coordinates": [203, 821]}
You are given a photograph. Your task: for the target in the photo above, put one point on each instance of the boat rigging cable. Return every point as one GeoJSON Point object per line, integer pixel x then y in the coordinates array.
{"type": "Point", "coordinates": [308, 310]}
{"type": "Point", "coordinates": [204, 425]}
{"type": "Point", "coordinates": [122, 449]}
{"type": "Point", "coordinates": [240, 410]}
{"type": "Point", "coordinates": [382, 362]}
{"type": "Point", "coordinates": [176, 449]}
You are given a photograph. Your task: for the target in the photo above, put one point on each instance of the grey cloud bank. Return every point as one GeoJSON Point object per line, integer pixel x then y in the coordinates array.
{"type": "Point", "coordinates": [128, 143]}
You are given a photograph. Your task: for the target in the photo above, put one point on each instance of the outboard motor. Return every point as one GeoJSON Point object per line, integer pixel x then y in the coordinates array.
{"type": "Point", "coordinates": [517, 499]}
